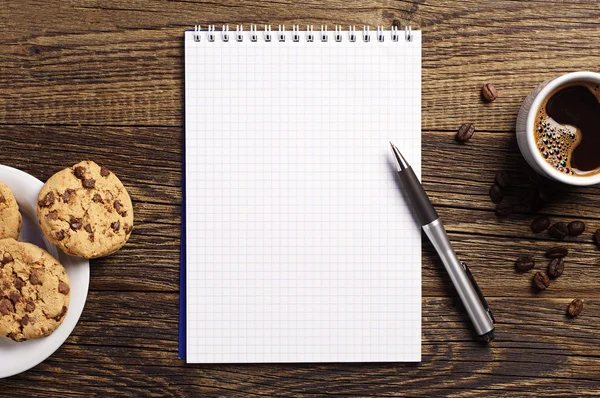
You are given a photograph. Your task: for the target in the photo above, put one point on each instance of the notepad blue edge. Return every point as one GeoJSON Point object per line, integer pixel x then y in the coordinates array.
{"type": "Point", "coordinates": [182, 265]}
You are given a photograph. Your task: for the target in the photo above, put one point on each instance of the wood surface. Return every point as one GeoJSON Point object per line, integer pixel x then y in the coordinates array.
{"type": "Point", "coordinates": [103, 80]}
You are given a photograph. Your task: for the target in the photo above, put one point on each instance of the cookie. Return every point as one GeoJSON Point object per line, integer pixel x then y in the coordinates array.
{"type": "Point", "coordinates": [85, 211]}
{"type": "Point", "coordinates": [10, 217]}
{"type": "Point", "coordinates": [34, 291]}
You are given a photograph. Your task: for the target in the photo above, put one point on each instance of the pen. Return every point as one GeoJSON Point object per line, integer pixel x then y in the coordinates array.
{"type": "Point", "coordinates": [461, 276]}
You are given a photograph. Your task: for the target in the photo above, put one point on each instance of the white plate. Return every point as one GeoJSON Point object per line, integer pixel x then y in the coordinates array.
{"type": "Point", "coordinates": [19, 357]}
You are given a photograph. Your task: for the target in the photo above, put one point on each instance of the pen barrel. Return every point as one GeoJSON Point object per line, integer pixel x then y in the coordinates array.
{"type": "Point", "coordinates": [465, 286]}
{"type": "Point", "coordinates": [420, 201]}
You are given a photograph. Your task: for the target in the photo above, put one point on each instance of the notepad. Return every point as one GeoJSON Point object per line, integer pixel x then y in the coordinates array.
{"type": "Point", "coordinates": [298, 243]}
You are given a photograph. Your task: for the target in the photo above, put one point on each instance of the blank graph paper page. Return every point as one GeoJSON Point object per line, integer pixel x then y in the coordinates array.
{"type": "Point", "coordinates": [300, 246]}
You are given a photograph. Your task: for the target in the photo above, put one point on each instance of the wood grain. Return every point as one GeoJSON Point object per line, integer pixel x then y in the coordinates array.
{"type": "Point", "coordinates": [103, 80]}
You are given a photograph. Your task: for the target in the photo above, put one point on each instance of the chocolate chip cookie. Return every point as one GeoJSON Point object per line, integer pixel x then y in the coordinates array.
{"type": "Point", "coordinates": [10, 217]}
{"type": "Point", "coordinates": [85, 211]}
{"type": "Point", "coordinates": [34, 291]}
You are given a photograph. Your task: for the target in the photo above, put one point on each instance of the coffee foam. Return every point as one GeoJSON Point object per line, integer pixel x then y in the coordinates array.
{"type": "Point", "coordinates": [556, 142]}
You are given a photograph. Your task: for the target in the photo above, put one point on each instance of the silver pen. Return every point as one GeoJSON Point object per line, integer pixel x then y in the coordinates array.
{"type": "Point", "coordinates": [461, 276]}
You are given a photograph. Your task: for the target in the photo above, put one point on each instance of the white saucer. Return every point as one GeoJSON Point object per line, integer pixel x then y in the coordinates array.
{"type": "Point", "coordinates": [19, 357]}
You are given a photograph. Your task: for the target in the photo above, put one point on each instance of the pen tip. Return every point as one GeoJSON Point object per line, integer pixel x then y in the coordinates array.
{"type": "Point", "coordinates": [400, 161]}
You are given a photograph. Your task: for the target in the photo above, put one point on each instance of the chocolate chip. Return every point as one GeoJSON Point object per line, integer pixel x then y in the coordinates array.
{"type": "Point", "coordinates": [62, 313]}
{"type": "Point", "coordinates": [2, 198]}
{"type": "Point", "coordinates": [19, 283]}
{"type": "Point", "coordinates": [66, 196]}
{"type": "Point", "coordinates": [79, 172]}
{"type": "Point", "coordinates": [63, 287]}
{"type": "Point", "coordinates": [97, 198]}
{"type": "Point", "coordinates": [104, 171]}
{"type": "Point", "coordinates": [12, 336]}
{"type": "Point", "coordinates": [35, 277]}
{"type": "Point", "coordinates": [30, 307]}
{"type": "Point", "coordinates": [91, 237]}
{"type": "Point", "coordinates": [89, 183]}
{"type": "Point", "coordinates": [75, 223]}
{"type": "Point", "coordinates": [25, 320]}
{"type": "Point", "coordinates": [14, 296]}
{"type": "Point", "coordinates": [7, 258]}
{"type": "Point", "coordinates": [116, 226]}
{"type": "Point", "coordinates": [6, 307]}
{"type": "Point", "coordinates": [127, 228]}
{"type": "Point", "coordinates": [88, 228]}
{"type": "Point", "coordinates": [53, 215]}
{"type": "Point", "coordinates": [120, 208]}
{"type": "Point", "coordinates": [48, 200]}
{"type": "Point", "coordinates": [60, 235]}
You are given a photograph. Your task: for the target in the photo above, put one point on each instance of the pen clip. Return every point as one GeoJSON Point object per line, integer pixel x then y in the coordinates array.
{"type": "Point", "coordinates": [481, 298]}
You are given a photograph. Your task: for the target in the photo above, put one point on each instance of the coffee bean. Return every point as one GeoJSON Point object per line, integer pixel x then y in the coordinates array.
{"type": "Point", "coordinates": [534, 203]}
{"type": "Point", "coordinates": [541, 281]}
{"type": "Point", "coordinates": [489, 92]}
{"type": "Point", "coordinates": [597, 237]}
{"type": "Point", "coordinates": [575, 308]}
{"type": "Point", "coordinates": [503, 179]}
{"type": "Point", "coordinates": [465, 132]}
{"type": "Point", "coordinates": [558, 231]}
{"type": "Point", "coordinates": [576, 228]}
{"type": "Point", "coordinates": [557, 252]}
{"type": "Point", "coordinates": [496, 193]}
{"type": "Point", "coordinates": [556, 268]}
{"type": "Point", "coordinates": [525, 263]}
{"type": "Point", "coordinates": [540, 224]}
{"type": "Point", "coordinates": [504, 209]}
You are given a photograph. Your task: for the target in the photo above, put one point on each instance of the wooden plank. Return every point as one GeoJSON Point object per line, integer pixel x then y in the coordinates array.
{"type": "Point", "coordinates": [127, 344]}
{"type": "Point", "coordinates": [121, 62]}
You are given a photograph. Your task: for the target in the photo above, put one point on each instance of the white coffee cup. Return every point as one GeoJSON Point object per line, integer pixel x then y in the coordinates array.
{"type": "Point", "coordinates": [525, 126]}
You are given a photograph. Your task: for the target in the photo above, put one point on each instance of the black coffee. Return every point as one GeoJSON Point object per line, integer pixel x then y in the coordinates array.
{"type": "Point", "coordinates": [568, 129]}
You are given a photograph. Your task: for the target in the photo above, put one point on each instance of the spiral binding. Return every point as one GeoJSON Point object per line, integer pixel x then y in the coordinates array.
{"type": "Point", "coordinates": [310, 35]}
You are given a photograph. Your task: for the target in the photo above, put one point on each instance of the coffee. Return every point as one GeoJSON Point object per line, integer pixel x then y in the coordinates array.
{"type": "Point", "coordinates": [567, 129]}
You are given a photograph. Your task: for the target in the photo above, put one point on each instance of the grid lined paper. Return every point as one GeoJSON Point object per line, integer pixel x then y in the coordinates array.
{"type": "Point", "coordinates": [300, 246]}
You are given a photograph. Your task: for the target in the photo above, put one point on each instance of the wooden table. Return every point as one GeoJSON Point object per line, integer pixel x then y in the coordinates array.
{"type": "Point", "coordinates": [103, 80]}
